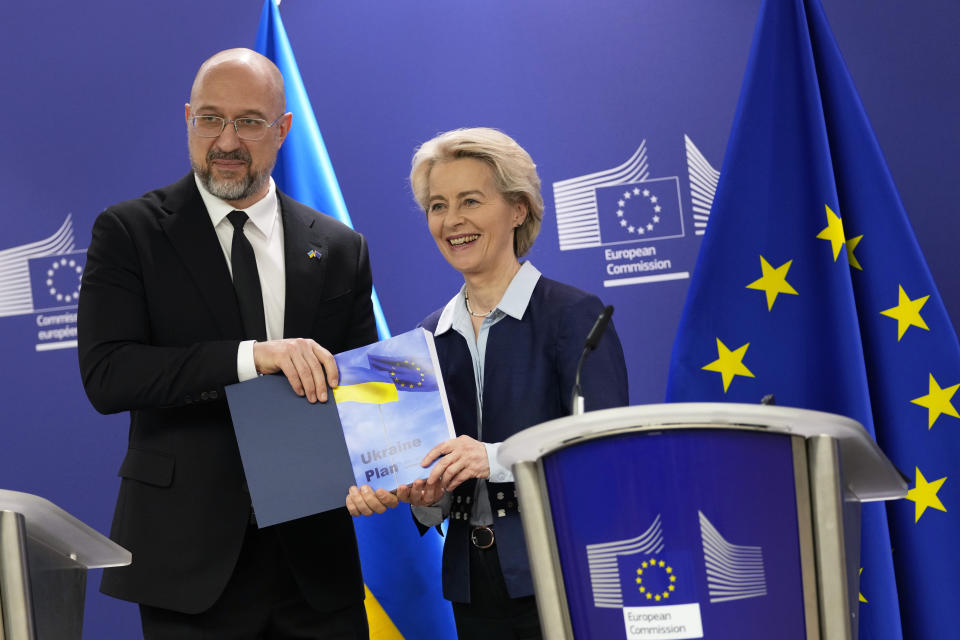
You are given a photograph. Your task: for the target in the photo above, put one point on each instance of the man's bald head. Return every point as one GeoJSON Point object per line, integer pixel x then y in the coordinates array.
{"type": "Point", "coordinates": [262, 71]}
{"type": "Point", "coordinates": [236, 88]}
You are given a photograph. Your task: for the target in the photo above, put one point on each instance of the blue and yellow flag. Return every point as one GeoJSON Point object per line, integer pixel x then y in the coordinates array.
{"type": "Point", "coordinates": [401, 571]}
{"type": "Point", "coordinates": [303, 170]}
{"type": "Point", "coordinates": [368, 386]}
{"type": "Point", "coordinates": [810, 285]}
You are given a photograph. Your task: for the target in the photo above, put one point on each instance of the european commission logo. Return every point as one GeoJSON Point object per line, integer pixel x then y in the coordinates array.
{"type": "Point", "coordinates": [734, 572]}
{"type": "Point", "coordinates": [647, 210]}
{"type": "Point", "coordinates": [55, 280]}
{"type": "Point", "coordinates": [43, 278]}
{"type": "Point", "coordinates": [638, 222]}
{"type": "Point", "coordinates": [657, 587]}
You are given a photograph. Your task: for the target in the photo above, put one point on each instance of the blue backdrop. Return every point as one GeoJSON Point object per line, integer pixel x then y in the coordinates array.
{"type": "Point", "coordinates": [93, 97]}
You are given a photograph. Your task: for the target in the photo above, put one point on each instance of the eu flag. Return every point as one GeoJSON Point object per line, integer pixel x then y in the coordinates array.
{"type": "Point", "coordinates": [401, 571]}
{"type": "Point", "coordinates": [407, 373]}
{"type": "Point", "coordinates": [406, 360]}
{"type": "Point", "coordinates": [810, 285]}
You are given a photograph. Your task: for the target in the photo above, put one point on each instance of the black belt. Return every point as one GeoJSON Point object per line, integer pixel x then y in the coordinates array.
{"type": "Point", "coordinates": [503, 501]}
{"type": "Point", "coordinates": [482, 537]}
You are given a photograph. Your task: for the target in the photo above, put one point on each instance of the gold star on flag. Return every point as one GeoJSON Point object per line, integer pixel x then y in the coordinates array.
{"type": "Point", "coordinates": [937, 401]}
{"type": "Point", "coordinates": [924, 495]}
{"type": "Point", "coordinates": [833, 232]}
{"type": "Point", "coordinates": [729, 364]}
{"type": "Point", "coordinates": [862, 599]}
{"type": "Point", "coordinates": [851, 245]}
{"type": "Point", "coordinates": [773, 281]}
{"type": "Point", "coordinates": [907, 313]}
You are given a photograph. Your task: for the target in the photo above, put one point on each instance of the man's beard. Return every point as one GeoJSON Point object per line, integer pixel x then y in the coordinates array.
{"type": "Point", "coordinates": [231, 190]}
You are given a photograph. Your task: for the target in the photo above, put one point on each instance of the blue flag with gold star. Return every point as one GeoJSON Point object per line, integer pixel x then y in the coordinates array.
{"type": "Point", "coordinates": [810, 286]}
{"type": "Point", "coordinates": [407, 373]}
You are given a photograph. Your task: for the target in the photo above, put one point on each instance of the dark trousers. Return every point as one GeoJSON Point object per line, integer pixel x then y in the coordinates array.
{"type": "Point", "coordinates": [261, 601]}
{"type": "Point", "coordinates": [491, 613]}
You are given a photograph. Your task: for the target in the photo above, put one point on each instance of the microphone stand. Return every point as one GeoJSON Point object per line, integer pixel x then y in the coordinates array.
{"type": "Point", "coordinates": [593, 339]}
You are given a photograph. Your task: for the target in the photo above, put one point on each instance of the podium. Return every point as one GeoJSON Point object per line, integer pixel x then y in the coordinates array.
{"type": "Point", "coordinates": [713, 520]}
{"type": "Point", "coordinates": [44, 556]}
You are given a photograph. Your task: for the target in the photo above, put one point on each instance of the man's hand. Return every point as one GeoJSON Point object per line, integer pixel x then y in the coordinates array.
{"type": "Point", "coordinates": [303, 361]}
{"type": "Point", "coordinates": [460, 459]}
{"type": "Point", "coordinates": [364, 501]}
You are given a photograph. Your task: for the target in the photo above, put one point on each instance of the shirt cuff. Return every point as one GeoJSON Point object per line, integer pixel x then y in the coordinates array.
{"type": "Point", "coordinates": [498, 472]}
{"type": "Point", "coordinates": [246, 369]}
{"type": "Point", "coordinates": [434, 514]}
{"type": "Point", "coordinates": [428, 516]}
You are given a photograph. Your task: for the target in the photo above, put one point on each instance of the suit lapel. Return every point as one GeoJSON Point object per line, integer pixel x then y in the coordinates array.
{"type": "Point", "coordinates": [305, 260]}
{"type": "Point", "coordinates": [188, 227]}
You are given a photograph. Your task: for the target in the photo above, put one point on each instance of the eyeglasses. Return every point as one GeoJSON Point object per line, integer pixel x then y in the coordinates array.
{"type": "Point", "coordinates": [247, 128]}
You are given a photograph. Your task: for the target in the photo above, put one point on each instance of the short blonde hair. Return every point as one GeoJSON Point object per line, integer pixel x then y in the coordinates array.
{"type": "Point", "coordinates": [514, 173]}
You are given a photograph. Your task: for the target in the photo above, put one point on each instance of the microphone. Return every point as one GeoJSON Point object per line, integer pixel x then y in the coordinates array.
{"type": "Point", "coordinates": [593, 339]}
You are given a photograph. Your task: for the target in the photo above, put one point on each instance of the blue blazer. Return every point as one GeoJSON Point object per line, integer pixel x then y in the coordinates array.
{"type": "Point", "coordinates": [528, 377]}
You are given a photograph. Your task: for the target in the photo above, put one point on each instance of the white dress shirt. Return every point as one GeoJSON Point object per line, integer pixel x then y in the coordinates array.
{"type": "Point", "coordinates": [265, 234]}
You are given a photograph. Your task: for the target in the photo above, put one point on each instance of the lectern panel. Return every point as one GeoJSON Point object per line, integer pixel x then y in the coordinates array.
{"type": "Point", "coordinates": [683, 533]}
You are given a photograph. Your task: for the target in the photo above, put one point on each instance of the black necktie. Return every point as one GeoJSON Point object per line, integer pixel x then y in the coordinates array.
{"type": "Point", "coordinates": [246, 279]}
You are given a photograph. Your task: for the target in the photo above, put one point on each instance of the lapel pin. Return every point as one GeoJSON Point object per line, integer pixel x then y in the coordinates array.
{"type": "Point", "coordinates": [313, 253]}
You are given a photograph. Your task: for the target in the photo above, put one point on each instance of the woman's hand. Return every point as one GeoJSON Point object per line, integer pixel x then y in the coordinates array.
{"type": "Point", "coordinates": [459, 460]}
{"type": "Point", "coordinates": [419, 494]}
{"type": "Point", "coordinates": [364, 501]}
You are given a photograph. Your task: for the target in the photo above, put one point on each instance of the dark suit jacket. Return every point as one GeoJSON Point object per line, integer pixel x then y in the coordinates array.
{"type": "Point", "coordinates": [528, 378]}
{"type": "Point", "coordinates": [159, 328]}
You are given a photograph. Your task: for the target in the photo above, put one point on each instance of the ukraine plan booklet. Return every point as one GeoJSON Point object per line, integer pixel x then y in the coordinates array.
{"type": "Point", "coordinates": [389, 410]}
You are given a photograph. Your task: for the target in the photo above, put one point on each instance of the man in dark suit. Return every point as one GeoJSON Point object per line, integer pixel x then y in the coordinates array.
{"type": "Point", "coordinates": [182, 294]}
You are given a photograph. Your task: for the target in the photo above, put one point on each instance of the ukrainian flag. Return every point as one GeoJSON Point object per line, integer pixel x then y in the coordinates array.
{"type": "Point", "coordinates": [404, 599]}
{"type": "Point", "coordinates": [365, 385]}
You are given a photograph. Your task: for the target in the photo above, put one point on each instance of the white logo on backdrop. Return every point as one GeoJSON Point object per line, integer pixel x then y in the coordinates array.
{"type": "Point", "coordinates": [578, 221]}
{"type": "Point", "coordinates": [734, 572]}
{"type": "Point", "coordinates": [703, 185]}
{"type": "Point", "coordinates": [637, 220]}
{"type": "Point", "coordinates": [16, 294]}
{"type": "Point", "coordinates": [43, 277]}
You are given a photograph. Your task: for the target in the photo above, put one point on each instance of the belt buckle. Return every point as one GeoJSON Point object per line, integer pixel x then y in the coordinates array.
{"type": "Point", "coordinates": [482, 537]}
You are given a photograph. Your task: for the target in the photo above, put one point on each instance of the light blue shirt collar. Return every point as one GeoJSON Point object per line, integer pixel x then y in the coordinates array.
{"type": "Point", "coordinates": [513, 303]}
